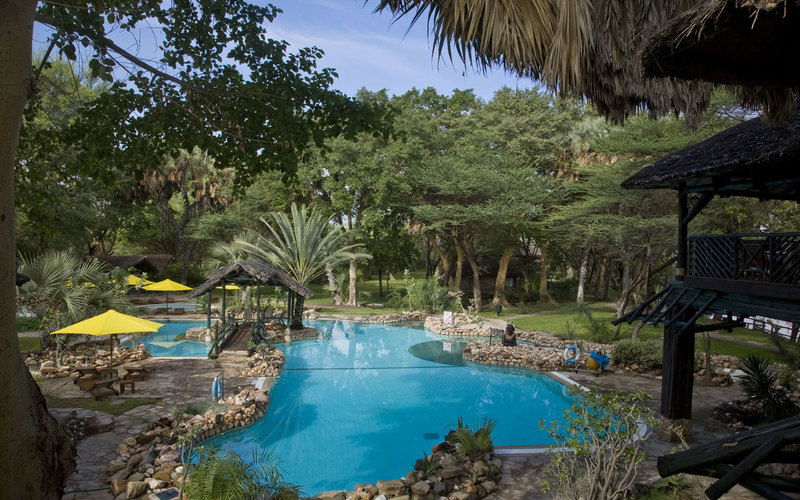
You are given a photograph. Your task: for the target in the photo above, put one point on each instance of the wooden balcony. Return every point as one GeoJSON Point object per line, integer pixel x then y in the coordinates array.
{"type": "Point", "coordinates": [759, 265]}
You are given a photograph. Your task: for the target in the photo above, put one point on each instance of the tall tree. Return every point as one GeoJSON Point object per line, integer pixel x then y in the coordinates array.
{"type": "Point", "coordinates": [183, 189]}
{"type": "Point", "coordinates": [229, 90]}
{"type": "Point", "coordinates": [301, 245]}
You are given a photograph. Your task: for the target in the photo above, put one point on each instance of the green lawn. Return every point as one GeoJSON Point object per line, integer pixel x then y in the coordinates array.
{"type": "Point", "coordinates": [30, 344]}
{"type": "Point", "coordinates": [113, 406]}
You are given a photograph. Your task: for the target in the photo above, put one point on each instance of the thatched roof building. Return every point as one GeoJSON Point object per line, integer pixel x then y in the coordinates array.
{"type": "Point", "coordinates": [754, 46]}
{"type": "Point", "coordinates": [750, 159]}
{"type": "Point", "coordinates": [251, 272]}
{"type": "Point", "coordinates": [154, 263]}
{"type": "Point", "coordinates": [22, 279]}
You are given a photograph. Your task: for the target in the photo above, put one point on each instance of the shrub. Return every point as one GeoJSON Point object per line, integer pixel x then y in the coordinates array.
{"type": "Point", "coordinates": [597, 447]}
{"type": "Point", "coordinates": [28, 323]}
{"type": "Point", "coordinates": [223, 474]}
{"type": "Point", "coordinates": [648, 353]}
{"type": "Point", "coordinates": [473, 444]}
{"type": "Point", "coordinates": [760, 382]}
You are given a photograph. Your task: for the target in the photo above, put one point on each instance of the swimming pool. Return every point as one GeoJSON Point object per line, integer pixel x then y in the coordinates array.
{"type": "Point", "coordinates": [168, 340]}
{"type": "Point", "coordinates": [356, 406]}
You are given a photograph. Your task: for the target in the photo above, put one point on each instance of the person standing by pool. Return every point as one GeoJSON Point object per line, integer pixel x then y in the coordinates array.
{"type": "Point", "coordinates": [510, 336]}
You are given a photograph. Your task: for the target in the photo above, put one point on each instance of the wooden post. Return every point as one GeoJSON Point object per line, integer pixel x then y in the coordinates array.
{"type": "Point", "coordinates": [677, 377]}
{"type": "Point", "coordinates": [224, 295]}
{"type": "Point", "coordinates": [208, 316]}
{"type": "Point", "coordinates": [683, 232]}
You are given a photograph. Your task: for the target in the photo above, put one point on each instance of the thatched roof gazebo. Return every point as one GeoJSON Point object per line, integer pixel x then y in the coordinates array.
{"type": "Point", "coordinates": [751, 159]}
{"type": "Point", "coordinates": [256, 273]}
{"type": "Point", "coordinates": [154, 263]}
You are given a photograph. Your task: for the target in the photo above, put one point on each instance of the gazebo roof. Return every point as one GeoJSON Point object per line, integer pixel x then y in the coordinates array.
{"type": "Point", "coordinates": [750, 159]}
{"type": "Point", "coordinates": [155, 262]}
{"type": "Point", "coordinates": [251, 272]}
{"type": "Point", "coordinates": [718, 41]}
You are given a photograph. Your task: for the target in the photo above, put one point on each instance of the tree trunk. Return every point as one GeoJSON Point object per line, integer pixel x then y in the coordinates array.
{"type": "Point", "coordinates": [635, 334]}
{"type": "Point", "coordinates": [476, 277]}
{"type": "Point", "coordinates": [443, 261]}
{"type": "Point", "coordinates": [499, 298]}
{"type": "Point", "coordinates": [582, 275]}
{"type": "Point", "coordinates": [544, 297]}
{"type": "Point", "coordinates": [334, 286]}
{"type": "Point", "coordinates": [627, 288]}
{"type": "Point", "coordinates": [459, 262]}
{"type": "Point", "coordinates": [36, 454]}
{"type": "Point", "coordinates": [380, 281]}
{"type": "Point", "coordinates": [296, 321]}
{"type": "Point", "coordinates": [352, 300]}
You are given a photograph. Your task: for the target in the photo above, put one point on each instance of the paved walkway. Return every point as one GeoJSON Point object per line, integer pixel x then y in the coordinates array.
{"type": "Point", "coordinates": [180, 382]}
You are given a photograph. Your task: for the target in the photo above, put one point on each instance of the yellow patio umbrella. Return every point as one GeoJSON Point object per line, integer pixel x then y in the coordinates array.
{"type": "Point", "coordinates": [134, 280]}
{"type": "Point", "coordinates": [229, 287]}
{"type": "Point", "coordinates": [110, 323]}
{"type": "Point", "coordinates": [166, 285]}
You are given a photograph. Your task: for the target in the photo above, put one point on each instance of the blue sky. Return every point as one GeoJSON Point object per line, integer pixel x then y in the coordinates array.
{"type": "Point", "coordinates": [367, 50]}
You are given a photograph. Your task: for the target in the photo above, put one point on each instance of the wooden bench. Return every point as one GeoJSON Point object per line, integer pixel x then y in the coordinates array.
{"type": "Point", "coordinates": [103, 388]}
{"type": "Point", "coordinates": [127, 381]}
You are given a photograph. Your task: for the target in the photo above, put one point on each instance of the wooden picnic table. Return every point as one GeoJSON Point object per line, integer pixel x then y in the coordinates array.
{"type": "Point", "coordinates": [104, 387]}
{"type": "Point", "coordinates": [137, 372]}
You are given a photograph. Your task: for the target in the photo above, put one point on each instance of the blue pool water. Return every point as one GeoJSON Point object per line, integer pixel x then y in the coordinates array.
{"type": "Point", "coordinates": [355, 406]}
{"type": "Point", "coordinates": [165, 341]}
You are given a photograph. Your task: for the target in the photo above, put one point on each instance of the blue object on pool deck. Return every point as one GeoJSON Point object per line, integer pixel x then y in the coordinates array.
{"type": "Point", "coordinates": [600, 358]}
{"type": "Point", "coordinates": [376, 394]}
{"type": "Point", "coordinates": [575, 353]}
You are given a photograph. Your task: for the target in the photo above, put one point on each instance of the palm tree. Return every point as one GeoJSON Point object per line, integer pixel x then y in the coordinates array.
{"type": "Point", "coordinates": [302, 245]}
{"type": "Point", "coordinates": [580, 47]}
{"type": "Point", "coordinates": [64, 288]}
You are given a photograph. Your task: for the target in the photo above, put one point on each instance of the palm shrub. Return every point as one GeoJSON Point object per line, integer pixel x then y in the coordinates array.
{"type": "Point", "coordinates": [64, 289]}
{"type": "Point", "coordinates": [471, 443]}
{"type": "Point", "coordinates": [223, 475]}
{"type": "Point", "coordinates": [597, 445]}
{"type": "Point", "coordinates": [760, 382]}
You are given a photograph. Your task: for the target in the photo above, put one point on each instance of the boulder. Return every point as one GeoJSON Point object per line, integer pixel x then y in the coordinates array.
{"type": "Point", "coordinates": [135, 489]}
{"type": "Point", "coordinates": [420, 488]}
{"type": "Point", "coordinates": [391, 488]}
{"type": "Point", "coordinates": [331, 495]}
{"type": "Point", "coordinates": [118, 486]}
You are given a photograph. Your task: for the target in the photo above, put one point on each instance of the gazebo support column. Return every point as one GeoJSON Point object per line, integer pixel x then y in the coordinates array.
{"type": "Point", "coordinates": [677, 377]}
{"type": "Point", "coordinates": [208, 318]}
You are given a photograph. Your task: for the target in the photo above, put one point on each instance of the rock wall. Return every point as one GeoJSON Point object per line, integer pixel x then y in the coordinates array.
{"type": "Point", "coordinates": [152, 461]}
{"type": "Point", "coordinates": [265, 363]}
{"type": "Point", "coordinates": [444, 473]}
{"type": "Point", "coordinates": [81, 355]}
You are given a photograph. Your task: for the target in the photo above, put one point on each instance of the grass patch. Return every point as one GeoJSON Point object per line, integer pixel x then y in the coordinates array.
{"type": "Point", "coordinates": [30, 344]}
{"type": "Point", "coordinates": [738, 350]}
{"type": "Point", "coordinates": [112, 406]}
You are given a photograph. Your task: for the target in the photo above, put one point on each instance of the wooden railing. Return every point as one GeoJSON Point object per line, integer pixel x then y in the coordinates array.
{"type": "Point", "coordinates": [222, 333]}
{"type": "Point", "coordinates": [772, 258]}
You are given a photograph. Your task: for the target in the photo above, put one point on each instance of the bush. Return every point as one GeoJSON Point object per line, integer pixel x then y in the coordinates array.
{"type": "Point", "coordinates": [563, 290]}
{"type": "Point", "coordinates": [760, 381]}
{"type": "Point", "coordinates": [648, 353]}
{"type": "Point", "coordinates": [223, 474]}
{"type": "Point", "coordinates": [28, 323]}
{"type": "Point", "coordinates": [596, 451]}
{"type": "Point", "coordinates": [474, 444]}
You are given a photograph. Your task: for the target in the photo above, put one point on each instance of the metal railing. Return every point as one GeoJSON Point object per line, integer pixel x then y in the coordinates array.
{"type": "Point", "coordinates": [773, 258]}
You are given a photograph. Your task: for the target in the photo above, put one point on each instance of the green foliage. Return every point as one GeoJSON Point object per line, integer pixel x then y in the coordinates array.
{"type": "Point", "coordinates": [302, 244]}
{"type": "Point", "coordinates": [471, 443]}
{"type": "Point", "coordinates": [422, 294]}
{"type": "Point", "coordinates": [28, 323]}
{"type": "Point", "coordinates": [223, 475]}
{"type": "Point", "coordinates": [646, 353]}
{"type": "Point", "coordinates": [597, 446]}
{"type": "Point", "coordinates": [760, 383]}
{"type": "Point", "coordinates": [30, 344]}
{"type": "Point", "coordinates": [563, 290]}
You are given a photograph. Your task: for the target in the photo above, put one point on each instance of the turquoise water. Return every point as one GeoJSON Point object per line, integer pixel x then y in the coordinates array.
{"type": "Point", "coordinates": [165, 341]}
{"type": "Point", "coordinates": [355, 406]}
